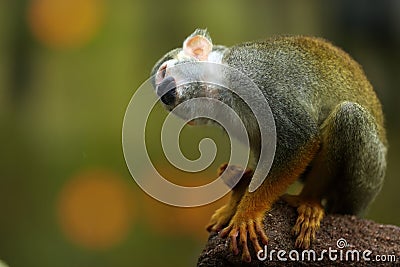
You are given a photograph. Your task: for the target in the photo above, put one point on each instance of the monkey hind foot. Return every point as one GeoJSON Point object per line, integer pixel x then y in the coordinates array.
{"type": "Point", "coordinates": [310, 213]}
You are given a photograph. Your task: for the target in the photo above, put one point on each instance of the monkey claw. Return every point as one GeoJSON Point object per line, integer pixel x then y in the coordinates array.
{"type": "Point", "coordinates": [241, 225]}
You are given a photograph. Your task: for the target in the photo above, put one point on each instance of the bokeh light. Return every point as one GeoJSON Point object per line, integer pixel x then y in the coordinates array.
{"type": "Point", "coordinates": [65, 23]}
{"type": "Point", "coordinates": [94, 209]}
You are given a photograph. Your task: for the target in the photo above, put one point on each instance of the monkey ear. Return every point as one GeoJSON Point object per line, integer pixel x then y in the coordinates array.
{"type": "Point", "coordinates": [197, 46]}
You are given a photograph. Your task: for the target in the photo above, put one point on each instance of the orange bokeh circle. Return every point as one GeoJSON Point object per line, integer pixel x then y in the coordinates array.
{"type": "Point", "coordinates": [65, 23]}
{"type": "Point", "coordinates": [95, 209]}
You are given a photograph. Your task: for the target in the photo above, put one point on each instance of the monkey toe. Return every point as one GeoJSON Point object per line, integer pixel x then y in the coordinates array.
{"type": "Point", "coordinates": [308, 222]}
{"type": "Point", "coordinates": [220, 218]}
{"type": "Point", "coordinates": [245, 227]}
{"type": "Point", "coordinates": [310, 214]}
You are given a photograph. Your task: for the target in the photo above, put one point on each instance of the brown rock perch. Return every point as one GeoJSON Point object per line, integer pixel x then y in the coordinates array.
{"type": "Point", "coordinates": [359, 234]}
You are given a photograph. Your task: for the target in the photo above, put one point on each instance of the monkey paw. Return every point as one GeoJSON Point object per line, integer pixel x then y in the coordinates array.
{"type": "Point", "coordinates": [220, 218]}
{"type": "Point", "coordinates": [232, 176]}
{"type": "Point", "coordinates": [310, 214]}
{"type": "Point", "coordinates": [222, 168]}
{"type": "Point", "coordinates": [241, 225]}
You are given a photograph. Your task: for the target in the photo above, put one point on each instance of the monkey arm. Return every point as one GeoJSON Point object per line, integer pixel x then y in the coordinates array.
{"type": "Point", "coordinates": [252, 207]}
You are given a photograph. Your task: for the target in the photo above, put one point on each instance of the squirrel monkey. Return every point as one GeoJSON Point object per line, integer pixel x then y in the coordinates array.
{"type": "Point", "coordinates": [329, 126]}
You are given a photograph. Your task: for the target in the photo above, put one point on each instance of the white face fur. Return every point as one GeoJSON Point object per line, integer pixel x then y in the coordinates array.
{"type": "Point", "coordinates": [196, 48]}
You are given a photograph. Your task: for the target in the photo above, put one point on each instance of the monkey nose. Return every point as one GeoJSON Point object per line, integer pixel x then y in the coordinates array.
{"type": "Point", "coordinates": [166, 90]}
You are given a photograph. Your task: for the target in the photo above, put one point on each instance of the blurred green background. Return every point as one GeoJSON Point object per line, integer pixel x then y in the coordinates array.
{"type": "Point", "coordinates": [68, 69]}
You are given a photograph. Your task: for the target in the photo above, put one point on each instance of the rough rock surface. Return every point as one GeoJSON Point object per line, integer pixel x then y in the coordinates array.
{"type": "Point", "coordinates": [354, 234]}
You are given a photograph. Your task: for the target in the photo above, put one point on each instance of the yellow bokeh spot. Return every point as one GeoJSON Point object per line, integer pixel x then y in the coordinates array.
{"type": "Point", "coordinates": [65, 23]}
{"type": "Point", "coordinates": [95, 209]}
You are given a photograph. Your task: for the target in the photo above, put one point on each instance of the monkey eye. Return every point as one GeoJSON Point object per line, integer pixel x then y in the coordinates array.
{"type": "Point", "coordinates": [161, 73]}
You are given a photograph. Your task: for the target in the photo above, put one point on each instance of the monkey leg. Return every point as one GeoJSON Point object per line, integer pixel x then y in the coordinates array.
{"type": "Point", "coordinates": [356, 156]}
{"type": "Point", "coordinates": [347, 171]}
{"type": "Point", "coordinates": [248, 219]}
{"type": "Point", "coordinates": [222, 216]}
{"type": "Point", "coordinates": [308, 202]}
